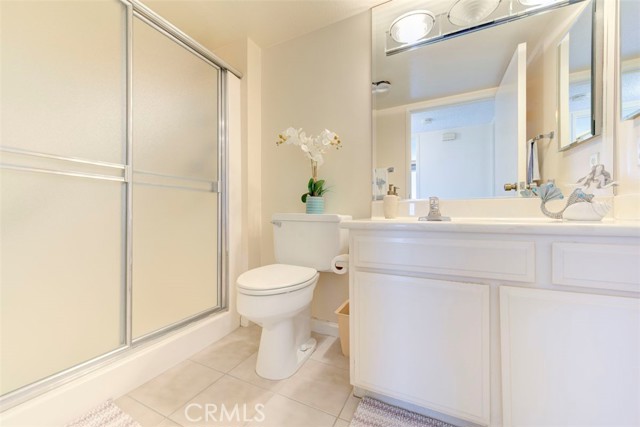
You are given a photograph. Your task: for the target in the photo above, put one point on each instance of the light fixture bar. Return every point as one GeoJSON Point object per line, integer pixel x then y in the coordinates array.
{"type": "Point", "coordinates": [498, 21]}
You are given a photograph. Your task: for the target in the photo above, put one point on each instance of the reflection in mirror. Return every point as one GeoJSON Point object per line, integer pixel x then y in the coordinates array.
{"type": "Point", "coordinates": [453, 122]}
{"type": "Point", "coordinates": [453, 143]}
{"type": "Point", "coordinates": [629, 58]}
{"type": "Point", "coordinates": [576, 83]}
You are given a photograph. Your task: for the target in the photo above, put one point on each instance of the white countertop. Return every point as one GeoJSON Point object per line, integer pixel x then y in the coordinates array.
{"type": "Point", "coordinates": [606, 227]}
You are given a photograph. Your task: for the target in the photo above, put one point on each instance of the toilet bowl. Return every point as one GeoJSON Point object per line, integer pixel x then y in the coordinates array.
{"type": "Point", "coordinates": [278, 298]}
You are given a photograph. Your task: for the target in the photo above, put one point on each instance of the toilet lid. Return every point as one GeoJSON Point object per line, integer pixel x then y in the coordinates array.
{"type": "Point", "coordinates": [276, 278]}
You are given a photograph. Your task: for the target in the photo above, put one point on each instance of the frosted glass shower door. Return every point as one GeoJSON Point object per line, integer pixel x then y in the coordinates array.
{"type": "Point", "coordinates": [62, 189]}
{"type": "Point", "coordinates": [175, 182]}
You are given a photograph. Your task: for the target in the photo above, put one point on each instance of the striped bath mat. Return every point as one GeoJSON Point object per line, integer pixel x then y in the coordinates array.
{"type": "Point", "coordinates": [373, 413]}
{"type": "Point", "coordinates": [105, 415]}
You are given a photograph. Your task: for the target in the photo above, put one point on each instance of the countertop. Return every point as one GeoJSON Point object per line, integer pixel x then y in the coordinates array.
{"type": "Point", "coordinates": [539, 226]}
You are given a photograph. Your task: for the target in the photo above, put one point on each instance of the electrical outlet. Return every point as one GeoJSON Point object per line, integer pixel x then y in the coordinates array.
{"type": "Point", "coordinates": [594, 159]}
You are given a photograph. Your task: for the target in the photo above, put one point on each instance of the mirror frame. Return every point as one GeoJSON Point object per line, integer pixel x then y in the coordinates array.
{"type": "Point", "coordinates": [597, 64]}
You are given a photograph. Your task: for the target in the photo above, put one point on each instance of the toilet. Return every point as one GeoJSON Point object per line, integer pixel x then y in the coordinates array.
{"type": "Point", "coordinates": [278, 296]}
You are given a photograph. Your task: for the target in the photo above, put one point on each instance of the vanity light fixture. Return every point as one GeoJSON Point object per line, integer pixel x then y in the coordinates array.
{"type": "Point", "coordinates": [465, 13]}
{"type": "Point", "coordinates": [421, 27]}
{"type": "Point", "coordinates": [381, 86]}
{"type": "Point", "coordinates": [536, 2]}
{"type": "Point", "coordinates": [412, 26]}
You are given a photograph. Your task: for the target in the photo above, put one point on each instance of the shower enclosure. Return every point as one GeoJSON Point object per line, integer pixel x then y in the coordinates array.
{"type": "Point", "coordinates": [112, 186]}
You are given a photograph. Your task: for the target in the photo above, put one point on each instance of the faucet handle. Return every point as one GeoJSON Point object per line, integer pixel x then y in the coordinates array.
{"type": "Point", "coordinates": [434, 206]}
{"type": "Point", "coordinates": [434, 211]}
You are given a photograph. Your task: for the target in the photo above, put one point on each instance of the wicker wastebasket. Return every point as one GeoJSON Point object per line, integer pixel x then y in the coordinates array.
{"type": "Point", "coordinates": [343, 326]}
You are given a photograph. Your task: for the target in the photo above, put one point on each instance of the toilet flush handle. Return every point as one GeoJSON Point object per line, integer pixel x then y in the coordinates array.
{"type": "Point", "coordinates": [277, 223]}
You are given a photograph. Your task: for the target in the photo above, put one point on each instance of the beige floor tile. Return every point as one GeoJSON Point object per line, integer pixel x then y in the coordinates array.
{"type": "Point", "coordinates": [349, 407]}
{"type": "Point", "coordinates": [172, 389]}
{"type": "Point", "coordinates": [252, 333]}
{"type": "Point", "coordinates": [341, 423]}
{"type": "Point", "coordinates": [145, 416]}
{"type": "Point", "coordinates": [283, 412]}
{"type": "Point", "coordinates": [317, 384]}
{"type": "Point", "coordinates": [228, 402]}
{"type": "Point", "coordinates": [230, 351]}
{"type": "Point", "coordinates": [168, 423]}
{"type": "Point", "coordinates": [329, 351]}
{"type": "Point", "coordinates": [246, 371]}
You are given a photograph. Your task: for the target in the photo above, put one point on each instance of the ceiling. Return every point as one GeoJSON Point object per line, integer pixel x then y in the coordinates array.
{"type": "Point", "coordinates": [453, 116]}
{"type": "Point", "coordinates": [216, 23]}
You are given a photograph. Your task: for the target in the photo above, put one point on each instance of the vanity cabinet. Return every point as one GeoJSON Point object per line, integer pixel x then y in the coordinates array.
{"type": "Point", "coordinates": [569, 358]}
{"type": "Point", "coordinates": [428, 342]}
{"type": "Point", "coordinates": [498, 324]}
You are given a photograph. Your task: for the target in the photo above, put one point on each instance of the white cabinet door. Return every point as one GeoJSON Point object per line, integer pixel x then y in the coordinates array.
{"type": "Point", "coordinates": [569, 359]}
{"type": "Point", "coordinates": [423, 341]}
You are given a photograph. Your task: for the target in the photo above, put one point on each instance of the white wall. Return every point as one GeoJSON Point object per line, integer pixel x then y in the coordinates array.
{"type": "Point", "coordinates": [246, 56]}
{"type": "Point", "coordinates": [317, 81]}
{"type": "Point", "coordinates": [391, 147]}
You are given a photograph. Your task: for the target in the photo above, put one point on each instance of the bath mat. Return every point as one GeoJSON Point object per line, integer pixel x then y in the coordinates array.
{"type": "Point", "coordinates": [105, 415]}
{"type": "Point", "coordinates": [373, 413]}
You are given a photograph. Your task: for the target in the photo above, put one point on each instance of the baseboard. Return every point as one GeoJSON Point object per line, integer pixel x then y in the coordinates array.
{"type": "Point", "coordinates": [324, 327]}
{"type": "Point", "coordinates": [71, 400]}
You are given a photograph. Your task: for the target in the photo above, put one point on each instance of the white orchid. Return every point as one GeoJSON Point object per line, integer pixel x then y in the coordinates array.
{"type": "Point", "coordinates": [313, 147]}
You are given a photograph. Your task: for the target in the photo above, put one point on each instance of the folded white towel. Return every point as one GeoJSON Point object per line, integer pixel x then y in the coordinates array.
{"type": "Point", "coordinates": [533, 169]}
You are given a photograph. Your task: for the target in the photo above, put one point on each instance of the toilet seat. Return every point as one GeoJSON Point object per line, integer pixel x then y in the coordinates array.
{"type": "Point", "coordinates": [276, 279]}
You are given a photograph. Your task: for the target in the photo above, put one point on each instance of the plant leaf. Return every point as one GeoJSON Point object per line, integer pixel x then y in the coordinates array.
{"type": "Point", "coordinates": [310, 185]}
{"type": "Point", "coordinates": [304, 197]}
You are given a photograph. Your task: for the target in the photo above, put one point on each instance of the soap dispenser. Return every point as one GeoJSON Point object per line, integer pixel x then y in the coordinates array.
{"type": "Point", "coordinates": [390, 202]}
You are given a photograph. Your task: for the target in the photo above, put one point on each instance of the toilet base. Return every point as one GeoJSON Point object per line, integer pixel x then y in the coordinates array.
{"type": "Point", "coordinates": [284, 347]}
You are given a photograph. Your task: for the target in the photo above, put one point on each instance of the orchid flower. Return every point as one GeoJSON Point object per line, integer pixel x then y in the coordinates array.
{"type": "Point", "coordinates": [312, 147]}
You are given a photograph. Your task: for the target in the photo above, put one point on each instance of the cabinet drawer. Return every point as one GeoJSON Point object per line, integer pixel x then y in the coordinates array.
{"type": "Point", "coordinates": [615, 267]}
{"type": "Point", "coordinates": [490, 259]}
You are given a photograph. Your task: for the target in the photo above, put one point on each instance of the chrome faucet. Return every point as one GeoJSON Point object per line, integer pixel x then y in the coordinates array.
{"type": "Point", "coordinates": [434, 211]}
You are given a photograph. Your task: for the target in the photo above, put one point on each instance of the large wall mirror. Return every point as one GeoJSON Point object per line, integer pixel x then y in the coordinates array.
{"type": "Point", "coordinates": [455, 116]}
{"type": "Point", "coordinates": [629, 13]}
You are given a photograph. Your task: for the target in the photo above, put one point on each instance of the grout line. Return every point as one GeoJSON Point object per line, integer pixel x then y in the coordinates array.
{"type": "Point", "coordinates": [308, 405]}
{"type": "Point", "coordinates": [328, 364]}
{"type": "Point", "coordinates": [170, 420]}
{"type": "Point", "coordinates": [143, 404]}
{"type": "Point", "coordinates": [345, 405]}
{"type": "Point", "coordinates": [207, 366]}
{"type": "Point", "coordinates": [250, 383]}
{"type": "Point", "coordinates": [193, 397]}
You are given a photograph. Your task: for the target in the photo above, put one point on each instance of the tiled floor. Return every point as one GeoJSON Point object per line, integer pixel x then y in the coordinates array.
{"type": "Point", "coordinates": [219, 386]}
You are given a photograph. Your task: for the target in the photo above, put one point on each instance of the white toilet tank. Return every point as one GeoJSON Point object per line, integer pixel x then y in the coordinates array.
{"type": "Point", "coordinates": [309, 240]}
